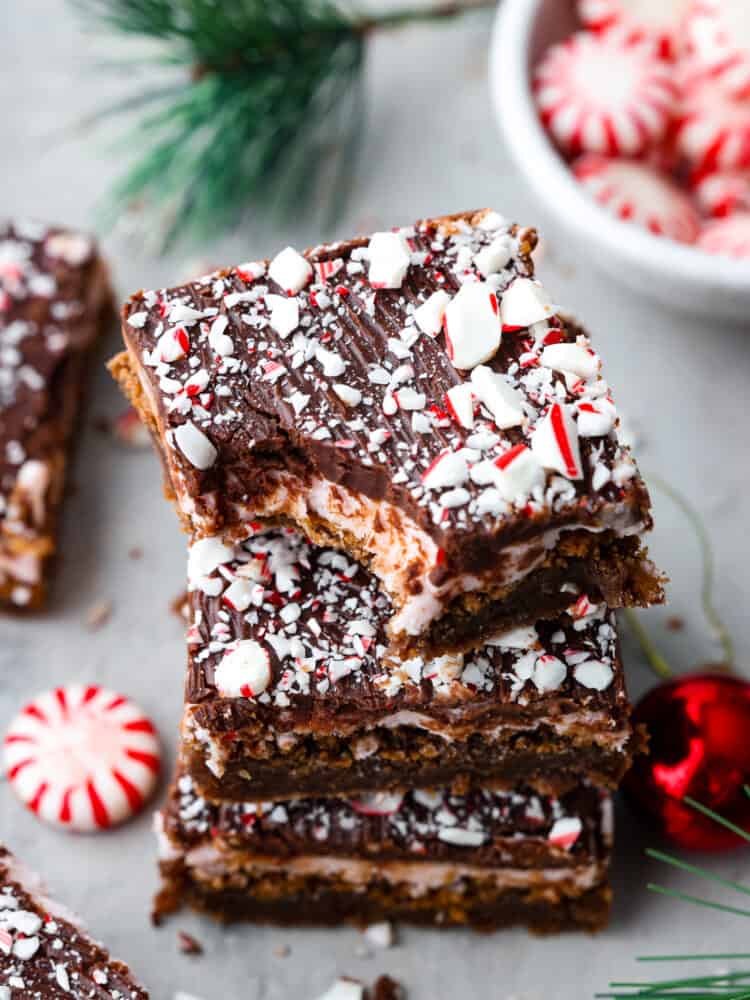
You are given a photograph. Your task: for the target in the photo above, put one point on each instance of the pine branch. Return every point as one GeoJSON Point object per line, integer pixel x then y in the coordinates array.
{"type": "Point", "coordinates": [265, 105]}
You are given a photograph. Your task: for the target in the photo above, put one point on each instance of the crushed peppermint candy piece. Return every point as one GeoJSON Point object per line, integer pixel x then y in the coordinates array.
{"type": "Point", "coordinates": [429, 316]}
{"type": "Point", "coordinates": [549, 673]}
{"type": "Point", "coordinates": [290, 270]}
{"type": "Point", "coordinates": [565, 832]}
{"type": "Point", "coordinates": [517, 474]}
{"type": "Point", "coordinates": [284, 316]}
{"type": "Point", "coordinates": [450, 468]}
{"type": "Point", "coordinates": [472, 328]}
{"type": "Point", "coordinates": [524, 303]}
{"type": "Point", "coordinates": [554, 442]}
{"type": "Point", "coordinates": [460, 404]}
{"type": "Point", "coordinates": [503, 401]}
{"type": "Point", "coordinates": [389, 260]}
{"type": "Point", "coordinates": [195, 446]}
{"type": "Point", "coordinates": [244, 670]}
{"type": "Point", "coordinates": [594, 674]}
{"type": "Point", "coordinates": [574, 358]}
{"type": "Point", "coordinates": [596, 419]}
{"type": "Point", "coordinates": [378, 803]}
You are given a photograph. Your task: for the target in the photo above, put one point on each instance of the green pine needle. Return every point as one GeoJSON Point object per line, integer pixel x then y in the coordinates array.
{"type": "Point", "coordinates": [264, 110]}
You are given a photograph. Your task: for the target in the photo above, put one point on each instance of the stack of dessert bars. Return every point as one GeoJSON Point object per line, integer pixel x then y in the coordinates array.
{"type": "Point", "coordinates": [410, 519]}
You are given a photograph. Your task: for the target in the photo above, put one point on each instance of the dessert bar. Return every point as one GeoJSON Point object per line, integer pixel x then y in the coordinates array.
{"type": "Point", "coordinates": [486, 859]}
{"type": "Point", "coordinates": [45, 954]}
{"type": "Point", "coordinates": [414, 399]}
{"type": "Point", "coordinates": [54, 301]}
{"type": "Point", "coordinates": [291, 690]}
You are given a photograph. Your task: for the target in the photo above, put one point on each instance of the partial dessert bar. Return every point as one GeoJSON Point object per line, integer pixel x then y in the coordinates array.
{"type": "Point", "coordinates": [54, 301]}
{"type": "Point", "coordinates": [414, 399]}
{"type": "Point", "coordinates": [45, 953]}
{"type": "Point", "coordinates": [486, 859]}
{"type": "Point", "coordinates": [291, 691]}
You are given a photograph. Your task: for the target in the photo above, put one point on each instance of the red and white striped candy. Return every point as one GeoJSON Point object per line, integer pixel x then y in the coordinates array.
{"type": "Point", "coordinates": [660, 20]}
{"type": "Point", "coordinates": [605, 93]}
{"type": "Point", "coordinates": [727, 237]}
{"type": "Point", "coordinates": [82, 757]}
{"type": "Point", "coordinates": [518, 473]}
{"type": "Point", "coordinates": [503, 401]}
{"type": "Point", "coordinates": [524, 303]}
{"type": "Point", "coordinates": [713, 131]}
{"type": "Point", "coordinates": [718, 42]}
{"type": "Point", "coordinates": [722, 194]}
{"type": "Point", "coordinates": [555, 442]}
{"type": "Point", "coordinates": [635, 192]}
{"type": "Point", "coordinates": [565, 832]}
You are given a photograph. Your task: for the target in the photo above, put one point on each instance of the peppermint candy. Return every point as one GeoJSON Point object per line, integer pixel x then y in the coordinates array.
{"type": "Point", "coordinates": [503, 401]}
{"type": "Point", "coordinates": [606, 93]}
{"type": "Point", "coordinates": [245, 671]}
{"type": "Point", "coordinates": [290, 270]}
{"type": "Point", "coordinates": [450, 468]}
{"type": "Point", "coordinates": [722, 194]}
{"type": "Point", "coordinates": [713, 132]}
{"type": "Point", "coordinates": [662, 21]}
{"type": "Point", "coordinates": [389, 260]}
{"type": "Point", "coordinates": [518, 474]}
{"type": "Point", "coordinates": [524, 303]}
{"type": "Point", "coordinates": [82, 757]}
{"type": "Point", "coordinates": [596, 419]}
{"type": "Point", "coordinates": [555, 442]}
{"type": "Point", "coordinates": [718, 39]}
{"type": "Point", "coordinates": [460, 404]}
{"type": "Point", "coordinates": [429, 316]}
{"type": "Point", "coordinates": [635, 192]}
{"type": "Point", "coordinates": [195, 446]}
{"type": "Point", "coordinates": [378, 804]}
{"type": "Point", "coordinates": [573, 358]}
{"type": "Point", "coordinates": [472, 327]}
{"type": "Point", "coordinates": [565, 832]}
{"type": "Point", "coordinates": [727, 237]}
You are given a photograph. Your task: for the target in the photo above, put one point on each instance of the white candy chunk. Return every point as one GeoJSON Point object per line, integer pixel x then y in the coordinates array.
{"type": "Point", "coordinates": [594, 674]}
{"type": "Point", "coordinates": [523, 303]}
{"type": "Point", "coordinates": [389, 260]}
{"type": "Point", "coordinates": [333, 364]}
{"type": "Point", "coordinates": [195, 446]}
{"type": "Point", "coordinates": [549, 673]}
{"type": "Point", "coordinates": [410, 399]}
{"type": "Point", "coordinates": [206, 555]}
{"type": "Point", "coordinates": [495, 257]}
{"type": "Point", "coordinates": [347, 394]}
{"type": "Point", "coordinates": [472, 329]}
{"type": "Point", "coordinates": [239, 595]}
{"type": "Point", "coordinates": [344, 989]}
{"type": "Point", "coordinates": [461, 404]}
{"type": "Point", "coordinates": [503, 401]}
{"type": "Point", "coordinates": [138, 320]}
{"type": "Point", "coordinates": [380, 935]}
{"type": "Point", "coordinates": [565, 831]}
{"type": "Point", "coordinates": [244, 671]}
{"type": "Point", "coordinates": [516, 638]}
{"type": "Point", "coordinates": [461, 837]}
{"type": "Point", "coordinates": [429, 316]}
{"type": "Point", "coordinates": [573, 358]}
{"type": "Point", "coordinates": [219, 342]}
{"type": "Point", "coordinates": [596, 419]}
{"type": "Point", "coordinates": [518, 474]}
{"type": "Point", "coordinates": [284, 316]}
{"type": "Point", "coordinates": [172, 345]}
{"type": "Point", "coordinates": [449, 469]}
{"type": "Point", "coordinates": [290, 270]}
{"type": "Point", "coordinates": [555, 442]}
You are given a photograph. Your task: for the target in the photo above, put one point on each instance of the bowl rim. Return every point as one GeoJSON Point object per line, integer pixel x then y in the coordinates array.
{"type": "Point", "coordinates": [552, 179]}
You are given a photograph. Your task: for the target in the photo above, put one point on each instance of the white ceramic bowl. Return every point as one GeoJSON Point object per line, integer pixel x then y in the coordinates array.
{"type": "Point", "coordinates": [678, 276]}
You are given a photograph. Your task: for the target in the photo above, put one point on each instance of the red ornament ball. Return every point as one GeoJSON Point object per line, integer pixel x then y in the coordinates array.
{"type": "Point", "coordinates": [699, 731]}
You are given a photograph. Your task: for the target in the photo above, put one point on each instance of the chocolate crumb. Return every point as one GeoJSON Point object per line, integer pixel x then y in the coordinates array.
{"type": "Point", "coordinates": [675, 624]}
{"type": "Point", "coordinates": [99, 614]}
{"type": "Point", "coordinates": [282, 950]}
{"type": "Point", "coordinates": [385, 988]}
{"type": "Point", "coordinates": [188, 944]}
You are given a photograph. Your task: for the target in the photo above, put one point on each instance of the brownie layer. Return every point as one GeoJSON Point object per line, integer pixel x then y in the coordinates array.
{"type": "Point", "coordinates": [432, 856]}
{"type": "Point", "coordinates": [312, 389]}
{"type": "Point", "coordinates": [54, 301]}
{"type": "Point", "coordinates": [44, 951]}
{"type": "Point", "coordinates": [291, 685]}
{"type": "Point", "coordinates": [307, 902]}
